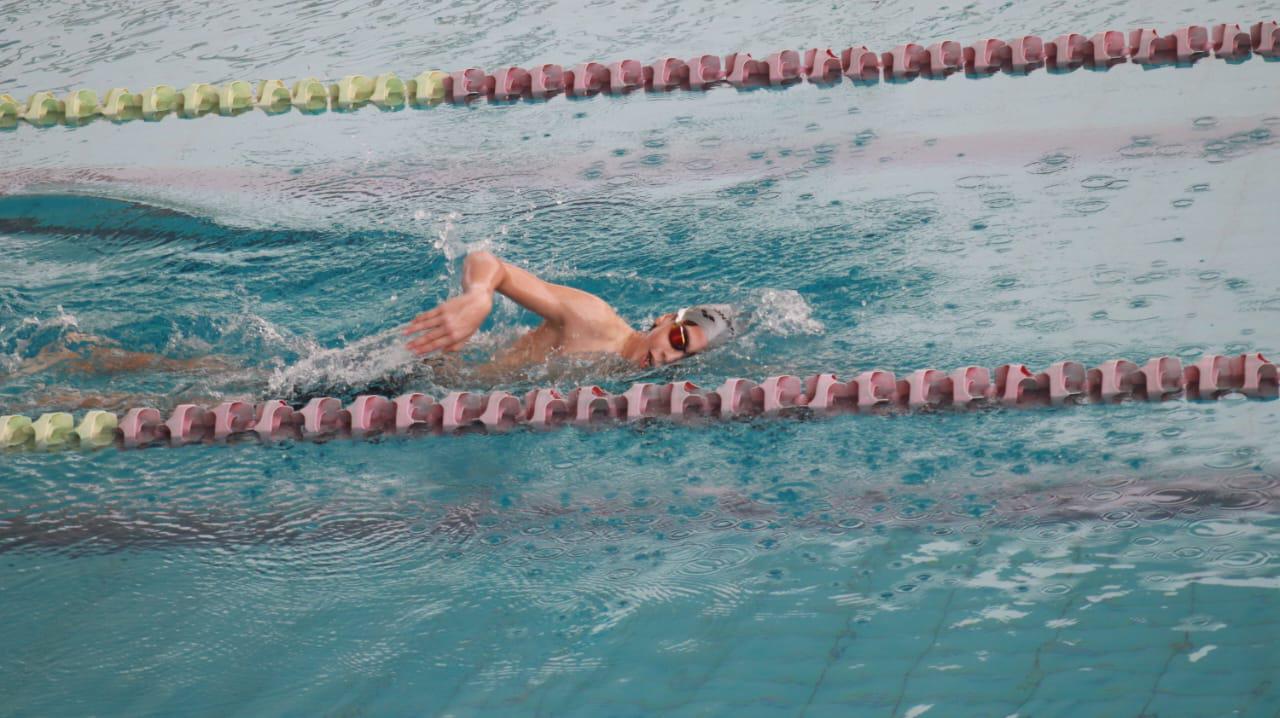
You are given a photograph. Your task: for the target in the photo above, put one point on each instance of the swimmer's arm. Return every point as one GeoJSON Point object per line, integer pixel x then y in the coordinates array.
{"type": "Point", "coordinates": [452, 323]}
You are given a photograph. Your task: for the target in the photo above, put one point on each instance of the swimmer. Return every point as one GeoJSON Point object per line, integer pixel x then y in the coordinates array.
{"type": "Point", "coordinates": [579, 329]}
{"type": "Point", "coordinates": [574, 322]}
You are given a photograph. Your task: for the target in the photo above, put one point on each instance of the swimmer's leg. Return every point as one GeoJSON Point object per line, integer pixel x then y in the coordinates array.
{"type": "Point", "coordinates": [74, 400]}
{"type": "Point", "coordinates": [98, 355]}
{"type": "Point", "coordinates": [112, 360]}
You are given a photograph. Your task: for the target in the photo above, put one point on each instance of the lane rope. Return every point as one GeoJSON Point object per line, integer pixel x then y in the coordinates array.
{"type": "Point", "coordinates": [309, 95]}
{"type": "Point", "coordinates": [876, 391]}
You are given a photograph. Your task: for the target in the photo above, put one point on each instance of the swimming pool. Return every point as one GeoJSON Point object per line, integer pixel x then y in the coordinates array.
{"type": "Point", "coordinates": [1100, 560]}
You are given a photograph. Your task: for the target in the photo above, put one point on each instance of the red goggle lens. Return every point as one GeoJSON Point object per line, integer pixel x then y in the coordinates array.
{"type": "Point", "coordinates": [679, 337]}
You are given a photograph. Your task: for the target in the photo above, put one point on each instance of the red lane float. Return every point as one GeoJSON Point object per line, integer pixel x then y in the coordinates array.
{"type": "Point", "coordinates": [1144, 46]}
{"type": "Point", "coordinates": [874, 391]}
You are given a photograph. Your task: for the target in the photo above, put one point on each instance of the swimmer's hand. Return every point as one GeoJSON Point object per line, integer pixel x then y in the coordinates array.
{"type": "Point", "coordinates": [451, 324]}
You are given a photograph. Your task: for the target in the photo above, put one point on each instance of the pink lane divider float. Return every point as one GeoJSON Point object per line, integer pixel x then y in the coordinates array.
{"type": "Point", "coordinates": [626, 75]}
{"type": "Point", "coordinates": [1026, 53]}
{"type": "Point", "coordinates": [324, 416]}
{"type": "Point", "coordinates": [904, 61]}
{"type": "Point", "coordinates": [275, 418]}
{"type": "Point", "coordinates": [1250, 374]}
{"type": "Point", "coordinates": [874, 391]}
{"type": "Point", "coordinates": [986, 57]}
{"type": "Point", "coordinates": [511, 83]}
{"type": "Point", "coordinates": [742, 70]}
{"type": "Point", "coordinates": [1067, 51]}
{"type": "Point", "coordinates": [945, 58]}
{"type": "Point", "coordinates": [705, 71]}
{"type": "Point", "coordinates": [1265, 37]}
{"type": "Point", "coordinates": [591, 404]}
{"type": "Point", "coordinates": [667, 73]}
{"type": "Point", "coordinates": [232, 417]}
{"type": "Point", "coordinates": [970, 384]}
{"type": "Point", "coordinates": [1230, 41]}
{"type": "Point", "coordinates": [371, 414]}
{"type": "Point", "coordinates": [142, 426]}
{"type": "Point", "coordinates": [860, 64]}
{"type": "Point", "coordinates": [822, 66]}
{"type": "Point", "coordinates": [544, 408]}
{"type": "Point", "coordinates": [1147, 47]}
{"type": "Point", "coordinates": [546, 80]}
{"type": "Point", "coordinates": [587, 78]}
{"type": "Point", "coordinates": [784, 67]}
{"type": "Point", "coordinates": [1108, 48]}
{"type": "Point", "coordinates": [415, 411]}
{"type": "Point", "coordinates": [468, 83]}
{"type": "Point", "coordinates": [189, 423]}
{"type": "Point", "coordinates": [876, 388]}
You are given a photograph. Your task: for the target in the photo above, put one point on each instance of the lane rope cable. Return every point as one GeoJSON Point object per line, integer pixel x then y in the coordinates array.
{"type": "Point", "coordinates": [876, 391]}
{"type": "Point", "coordinates": [1021, 55]}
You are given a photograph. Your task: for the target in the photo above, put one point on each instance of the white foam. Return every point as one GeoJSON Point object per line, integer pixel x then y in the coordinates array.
{"type": "Point", "coordinates": [360, 362]}
{"type": "Point", "coordinates": [784, 312]}
{"type": "Point", "coordinates": [1201, 653]}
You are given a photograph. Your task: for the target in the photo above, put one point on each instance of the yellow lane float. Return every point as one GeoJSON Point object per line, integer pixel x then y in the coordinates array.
{"type": "Point", "coordinates": [310, 95]}
{"type": "Point", "coordinates": [120, 104]}
{"type": "Point", "coordinates": [388, 90]}
{"type": "Point", "coordinates": [235, 97]}
{"type": "Point", "coordinates": [54, 430]}
{"type": "Point", "coordinates": [428, 87]}
{"type": "Point", "coordinates": [97, 428]}
{"type": "Point", "coordinates": [15, 430]}
{"type": "Point", "coordinates": [273, 96]}
{"type": "Point", "coordinates": [159, 100]}
{"type": "Point", "coordinates": [80, 105]}
{"type": "Point", "coordinates": [197, 99]}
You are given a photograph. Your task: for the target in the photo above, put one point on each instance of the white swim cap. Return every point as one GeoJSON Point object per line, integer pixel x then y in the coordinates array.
{"type": "Point", "coordinates": [715, 320]}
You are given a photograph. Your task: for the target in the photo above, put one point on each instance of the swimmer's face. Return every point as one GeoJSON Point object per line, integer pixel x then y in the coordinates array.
{"type": "Point", "coordinates": [662, 350]}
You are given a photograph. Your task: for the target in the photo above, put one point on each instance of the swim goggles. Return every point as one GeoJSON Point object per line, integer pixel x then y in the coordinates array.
{"type": "Point", "coordinates": [678, 336]}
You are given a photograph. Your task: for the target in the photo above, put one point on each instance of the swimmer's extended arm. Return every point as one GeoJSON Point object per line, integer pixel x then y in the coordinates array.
{"type": "Point", "coordinates": [452, 323]}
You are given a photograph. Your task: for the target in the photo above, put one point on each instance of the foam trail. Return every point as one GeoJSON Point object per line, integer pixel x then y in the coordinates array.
{"type": "Point", "coordinates": [355, 365]}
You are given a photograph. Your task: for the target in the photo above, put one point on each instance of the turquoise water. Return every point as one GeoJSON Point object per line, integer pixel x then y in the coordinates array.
{"type": "Point", "coordinates": [1096, 560]}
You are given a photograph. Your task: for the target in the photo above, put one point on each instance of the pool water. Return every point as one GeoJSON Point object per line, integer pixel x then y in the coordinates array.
{"type": "Point", "coordinates": [1089, 560]}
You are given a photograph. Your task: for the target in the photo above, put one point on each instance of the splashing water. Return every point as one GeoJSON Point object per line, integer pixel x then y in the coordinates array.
{"type": "Point", "coordinates": [785, 313]}
{"type": "Point", "coordinates": [356, 365]}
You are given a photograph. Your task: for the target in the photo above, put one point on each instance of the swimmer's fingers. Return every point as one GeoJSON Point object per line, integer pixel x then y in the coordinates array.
{"type": "Point", "coordinates": [442, 327]}
{"type": "Point", "coordinates": [437, 326]}
{"type": "Point", "coordinates": [428, 344]}
{"type": "Point", "coordinates": [436, 338]}
{"type": "Point", "coordinates": [424, 343]}
{"type": "Point", "coordinates": [439, 334]}
{"type": "Point", "coordinates": [425, 320]}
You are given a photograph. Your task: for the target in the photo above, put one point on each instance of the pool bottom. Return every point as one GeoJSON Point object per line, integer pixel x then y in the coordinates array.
{"type": "Point", "coordinates": [1058, 617]}
{"type": "Point", "coordinates": [1101, 562]}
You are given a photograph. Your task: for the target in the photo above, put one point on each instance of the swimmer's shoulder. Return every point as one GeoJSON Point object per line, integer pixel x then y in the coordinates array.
{"type": "Point", "coordinates": [586, 308]}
